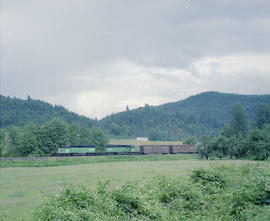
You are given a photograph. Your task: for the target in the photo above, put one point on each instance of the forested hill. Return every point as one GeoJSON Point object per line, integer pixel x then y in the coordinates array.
{"type": "Point", "coordinates": [205, 113]}
{"type": "Point", "coordinates": [19, 112]}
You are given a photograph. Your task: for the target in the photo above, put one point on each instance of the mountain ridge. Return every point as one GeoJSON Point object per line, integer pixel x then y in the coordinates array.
{"type": "Point", "coordinates": [19, 112]}
{"type": "Point", "coordinates": [204, 113]}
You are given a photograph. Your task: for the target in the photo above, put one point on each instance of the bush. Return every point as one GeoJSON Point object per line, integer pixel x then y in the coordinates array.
{"type": "Point", "coordinates": [217, 193]}
{"type": "Point", "coordinates": [214, 177]}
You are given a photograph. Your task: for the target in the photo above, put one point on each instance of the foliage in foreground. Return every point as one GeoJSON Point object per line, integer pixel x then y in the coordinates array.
{"type": "Point", "coordinates": [218, 193]}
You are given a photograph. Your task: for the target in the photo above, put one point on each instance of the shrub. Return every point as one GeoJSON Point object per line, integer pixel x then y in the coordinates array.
{"type": "Point", "coordinates": [209, 177]}
{"type": "Point", "coordinates": [217, 193]}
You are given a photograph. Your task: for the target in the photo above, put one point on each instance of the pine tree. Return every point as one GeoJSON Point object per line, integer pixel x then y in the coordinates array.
{"type": "Point", "coordinates": [239, 123]}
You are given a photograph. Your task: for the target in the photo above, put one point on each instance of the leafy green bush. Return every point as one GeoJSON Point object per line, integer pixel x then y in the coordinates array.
{"type": "Point", "coordinates": [217, 193]}
{"type": "Point", "coordinates": [3, 214]}
{"type": "Point", "coordinates": [213, 177]}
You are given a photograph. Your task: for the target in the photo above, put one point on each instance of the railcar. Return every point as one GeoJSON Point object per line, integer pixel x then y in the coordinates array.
{"type": "Point", "coordinates": [73, 150]}
{"type": "Point", "coordinates": [167, 149]}
{"type": "Point", "coordinates": [154, 149]}
{"type": "Point", "coordinates": [184, 148]}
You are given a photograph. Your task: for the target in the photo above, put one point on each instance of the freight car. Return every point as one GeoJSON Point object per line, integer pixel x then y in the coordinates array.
{"type": "Point", "coordinates": [154, 149]}
{"type": "Point", "coordinates": [167, 149]}
{"type": "Point", "coordinates": [90, 150]}
{"type": "Point", "coordinates": [184, 148]}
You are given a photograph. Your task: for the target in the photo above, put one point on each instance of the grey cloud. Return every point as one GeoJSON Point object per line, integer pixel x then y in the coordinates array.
{"type": "Point", "coordinates": [45, 45]}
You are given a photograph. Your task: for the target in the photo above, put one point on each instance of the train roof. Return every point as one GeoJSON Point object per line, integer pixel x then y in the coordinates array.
{"type": "Point", "coordinates": [93, 146]}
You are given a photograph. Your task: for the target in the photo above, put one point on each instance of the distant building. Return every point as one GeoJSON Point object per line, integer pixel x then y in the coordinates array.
{"type": "Point", "coordinates": [142, 138]}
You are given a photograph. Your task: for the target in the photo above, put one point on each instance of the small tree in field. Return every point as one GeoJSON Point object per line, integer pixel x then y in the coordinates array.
{"type": "Point", "coordinates": [220, 146]}
{"type": "Point", "coordinates": [259, 145]}
{"type": "Point", "coordinates": [205, 147]}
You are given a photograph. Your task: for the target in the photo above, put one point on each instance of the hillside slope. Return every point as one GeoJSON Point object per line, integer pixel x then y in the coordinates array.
{"type": "Point", "coordinates": [20, 112]}
{"type": "Point", "coordinates": [205, 113]}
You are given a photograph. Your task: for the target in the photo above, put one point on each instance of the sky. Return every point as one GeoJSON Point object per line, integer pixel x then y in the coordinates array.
{"type": "Point", "coordinates": [96, 57]}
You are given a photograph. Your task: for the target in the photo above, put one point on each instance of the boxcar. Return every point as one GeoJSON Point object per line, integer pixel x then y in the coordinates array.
{"type": "Point", "coordinates": [184, 148]}
{"type": "Point", "coordinates": [154, 149]}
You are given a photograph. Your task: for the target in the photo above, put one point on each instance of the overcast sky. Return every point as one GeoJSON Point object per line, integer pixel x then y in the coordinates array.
{"type": "Point", "coordinates": [95, 57]}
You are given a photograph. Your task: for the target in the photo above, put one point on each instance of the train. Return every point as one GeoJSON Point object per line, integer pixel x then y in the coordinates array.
{"type": "Point", "coordinates": [114, 149]}
{"type": "Point", "coordinates": [91, 150]}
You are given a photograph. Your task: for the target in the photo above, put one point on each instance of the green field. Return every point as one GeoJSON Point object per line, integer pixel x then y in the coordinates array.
{"type": "Point", "coordinates": [22, 188]}
{"type": "Point", "coordinates": [61, 161]}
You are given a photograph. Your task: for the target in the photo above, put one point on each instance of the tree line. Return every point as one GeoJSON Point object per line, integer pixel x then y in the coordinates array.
{"type": "Point", "coordinates": [235, 140]}
{"type": "Point", "coordinates": [43, 140]}
{"type": "Point", "coordinates": [205, 113]}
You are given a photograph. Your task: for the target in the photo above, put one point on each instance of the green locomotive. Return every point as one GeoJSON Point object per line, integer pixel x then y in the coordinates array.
{"type": "Point", "coordinates": [110, 149]}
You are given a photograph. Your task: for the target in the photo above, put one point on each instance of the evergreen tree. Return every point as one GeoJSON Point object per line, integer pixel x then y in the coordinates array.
{"type": "Point", "coordinates": [239, 123]}
{"type": "Point", "coordinates": [263, 116]}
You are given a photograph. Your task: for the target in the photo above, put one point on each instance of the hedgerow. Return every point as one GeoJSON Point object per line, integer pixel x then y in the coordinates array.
{"type": "Point", "coordinates": [218, 193]}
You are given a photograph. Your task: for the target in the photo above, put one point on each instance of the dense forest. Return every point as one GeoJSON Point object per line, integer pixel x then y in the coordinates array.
{"type": "Point", "coordinates": [205, 113]}
{"type": "Point", "coordinates": [19, 112]}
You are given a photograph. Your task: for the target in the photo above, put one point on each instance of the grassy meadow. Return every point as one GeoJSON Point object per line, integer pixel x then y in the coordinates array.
{"type": "Point", "coordinates": [22, 187]}
{"type": "Point", "coordinates": [76, 160]}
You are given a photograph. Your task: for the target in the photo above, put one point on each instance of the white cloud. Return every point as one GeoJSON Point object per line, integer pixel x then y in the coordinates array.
{"type": "Point", "coordinates": [242, 73]}
{"type": "Point", "coordinates": [134, 85]}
